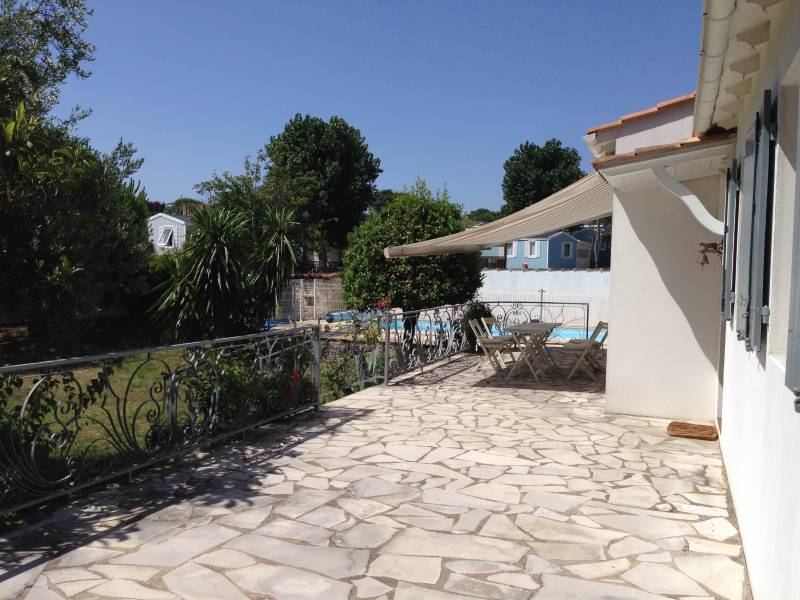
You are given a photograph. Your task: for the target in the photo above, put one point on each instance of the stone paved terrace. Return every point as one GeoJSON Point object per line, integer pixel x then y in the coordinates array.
{"type": "Point", "coordinates": [451, 485]}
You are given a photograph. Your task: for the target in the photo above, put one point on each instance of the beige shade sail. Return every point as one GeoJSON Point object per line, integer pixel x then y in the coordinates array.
{"type": "Point", "coordinates": [585, 200]}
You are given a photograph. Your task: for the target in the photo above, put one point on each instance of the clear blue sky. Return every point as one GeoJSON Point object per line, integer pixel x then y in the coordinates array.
{"type": "Point", "coordinates": [443, 89]}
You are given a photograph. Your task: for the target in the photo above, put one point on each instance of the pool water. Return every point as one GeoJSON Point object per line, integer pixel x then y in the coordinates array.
{"type": "Point", "coordinates": [563, 333]}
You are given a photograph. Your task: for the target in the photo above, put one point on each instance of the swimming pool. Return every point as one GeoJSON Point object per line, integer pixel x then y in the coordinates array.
{"type": "Point", "coordinates": [562, 333]}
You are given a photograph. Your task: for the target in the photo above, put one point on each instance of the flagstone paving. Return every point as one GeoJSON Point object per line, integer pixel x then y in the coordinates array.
{"type": "Point", "coordinates": [447, 486]}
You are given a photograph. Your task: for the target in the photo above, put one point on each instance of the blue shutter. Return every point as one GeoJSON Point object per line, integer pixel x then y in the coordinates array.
{"type": "Point", "coordinates": [762, 196]}
{"type": "Point", "coordinates": [731, 196]}
{"type": "Point", "coordinates": [793, 342]}
{"type": "Point", "coordinates": [793, 347]}
{"type": "Point", "coordinates": [743, 261]}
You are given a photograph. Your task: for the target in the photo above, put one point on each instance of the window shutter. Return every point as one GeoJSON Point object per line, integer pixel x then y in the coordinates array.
{"type": "Point", "coordinates": [743, 261]}
{"type": "Point", "coordinates": [793, 346]}
{"type": "Point", "coordinates": [762, 204]}
{"type": "Point", "coordinates": [729, 243]}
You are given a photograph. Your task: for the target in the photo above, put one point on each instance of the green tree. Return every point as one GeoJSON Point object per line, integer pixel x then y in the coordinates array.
{"type": "Point", "coordinates": [271, 261]}
{"type": "Point", "coordinates": [41, 44]}
{"type": "Point", "coordinates": [381, 199]}
{"type": "Point", "coordinates": [182, 206]}
{"type": "Point", "coordinates": [204, 293]}
{"type": "Point", "coordinates": [326, 173]}
{"type": "Point", "coordinates": [533, 173]}
{"type": "Point", "coordinates": [480, 216]}
{"type": "Point", "coordinates": [245, 193]}
{"type": "Point", "coordinates": [73, 228]}
{"type": "Point", "coordinates": [414, 282]}
{"type": "Point", "coordinates": [483, 215]}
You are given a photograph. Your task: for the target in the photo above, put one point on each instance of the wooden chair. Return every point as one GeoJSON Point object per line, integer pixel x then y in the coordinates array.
{"type": "Point", "coordinates": [492, 346]}
{"type": "Point", "coordinates": [587, 354]}
{"type": "Point", "coordinates": [491, 323]}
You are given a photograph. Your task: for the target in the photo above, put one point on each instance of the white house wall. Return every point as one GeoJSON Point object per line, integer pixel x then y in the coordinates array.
{"type": "Point", "coordinates": [760, 439]}
{"type": "Point", "coordinates": [668, 125]}
{"type": "Point", "coordinates": [157, 222]}
{"type": "Point", "coordinates": [664, 313]}
{"type": "Point", "coordinates": [760, 431]}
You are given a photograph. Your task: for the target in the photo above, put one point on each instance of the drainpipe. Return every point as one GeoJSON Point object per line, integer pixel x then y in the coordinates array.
{"type": "Point", "coordinates": [713, 45]}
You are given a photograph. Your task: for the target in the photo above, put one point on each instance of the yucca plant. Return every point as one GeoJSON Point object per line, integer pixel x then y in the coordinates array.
{"type": "Point", "coordinates": [272, 261]}
{"type": "Point", "coordinates": [205, 294]}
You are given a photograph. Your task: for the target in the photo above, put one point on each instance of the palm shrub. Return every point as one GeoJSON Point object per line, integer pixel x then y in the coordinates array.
{"type": "Point", "coordinates": [271, 262]}
{"type": "Point", "coordinates": [204, 293]}
{"type": "Point", "coordinates": [229, 277]}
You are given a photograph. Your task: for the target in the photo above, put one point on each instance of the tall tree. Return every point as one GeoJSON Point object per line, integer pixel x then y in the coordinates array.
{"type": "Point", "coordinates": [182, 206]}
{"type": "Point", "coordinates": [483, 215]}
{"type": "Point", "coordinates": [534, 172]}
{"type": "Point", "coordinates": [73, 228]}
{"type": "Point", "coordinates": [41, 44]}
{"type": "Point", "coordinates": [415, 282]}
{"type": "Point", "coordinates": [328, 174]}
{"type": "Point", "coordinates": [245, 193]}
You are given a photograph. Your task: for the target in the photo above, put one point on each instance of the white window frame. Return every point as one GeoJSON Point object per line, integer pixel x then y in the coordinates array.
{"type": "Point", "coordinates": [173, 237]}
{"type": "Point", "coordinates": [534, 249]}
{"type": "Point", "coordinates": [564, 245]}
{"type": "Point", "coordinates": [513, 253]}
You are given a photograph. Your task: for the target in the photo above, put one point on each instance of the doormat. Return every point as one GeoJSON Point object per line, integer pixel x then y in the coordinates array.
{"type": "Point", "coordinates": [692, 430]}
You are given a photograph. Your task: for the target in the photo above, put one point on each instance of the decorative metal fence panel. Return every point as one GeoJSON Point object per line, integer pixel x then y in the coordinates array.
{"type": "Point", "coordinates": [420, 337]}
{"type": "Point", "coordinates": [69, 424]}
{"type": "Point", "coordinates": [371, 347]}
{"type": "Point", "coordinates": [573, 316]}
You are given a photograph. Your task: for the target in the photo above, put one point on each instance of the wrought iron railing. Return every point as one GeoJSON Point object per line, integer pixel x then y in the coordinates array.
{"type": "Point", "coordinates": [573, 316]}
{"type": "Point", "coordinates": [375, 347]}
{"type": "Point", "coordinates": [368, 348]}
{"type": "Point", "coordinates": [69, 424]}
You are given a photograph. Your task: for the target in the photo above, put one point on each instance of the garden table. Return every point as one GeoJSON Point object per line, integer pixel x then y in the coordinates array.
{"type": "Point", "coordinates": [531, 338]}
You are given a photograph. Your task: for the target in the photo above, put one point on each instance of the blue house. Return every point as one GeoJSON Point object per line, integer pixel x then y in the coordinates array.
{"type": "Point", "coordinates": [559, 250]}
{"type": "Point", "coordinates": [588, 234]}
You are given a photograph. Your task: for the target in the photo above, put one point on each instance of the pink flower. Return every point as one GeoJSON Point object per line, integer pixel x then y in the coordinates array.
{"type": "Point", "coordinates": [296, 376]}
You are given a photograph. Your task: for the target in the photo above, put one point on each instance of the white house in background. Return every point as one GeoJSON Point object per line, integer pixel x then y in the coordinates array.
{"type": "Point", "coordinates": [167, 232]}
{"type": "Point", "coordinates": [715, 342]}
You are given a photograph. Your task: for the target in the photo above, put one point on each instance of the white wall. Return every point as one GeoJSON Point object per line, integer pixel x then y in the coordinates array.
{"type": "Point", "coordinates": [760, 439]}
{"type": "Point", "coordinates": [760, 431]}
{"type": "Point", "coordinates": [593, 282]}
{"type": "Point", "coordinates": [589, 286]}
{"type": "Point", "coordinates": [665, 313]}
{"type": "Point", "coordinates": [665, 126]}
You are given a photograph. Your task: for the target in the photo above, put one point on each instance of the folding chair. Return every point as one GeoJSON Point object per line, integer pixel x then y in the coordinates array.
{"type": "Point", "coordinates": [491, 324]}
{"type": "Point", "coordinates": [492, 346]}
{"type": "Point", "coordinates": [586, 354]}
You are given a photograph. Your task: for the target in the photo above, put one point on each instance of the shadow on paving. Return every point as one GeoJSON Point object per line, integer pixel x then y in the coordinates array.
{"type": "Point", "coordinates": [223, 477]}
{"type": "Point", "coordinates": [550, 379]}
